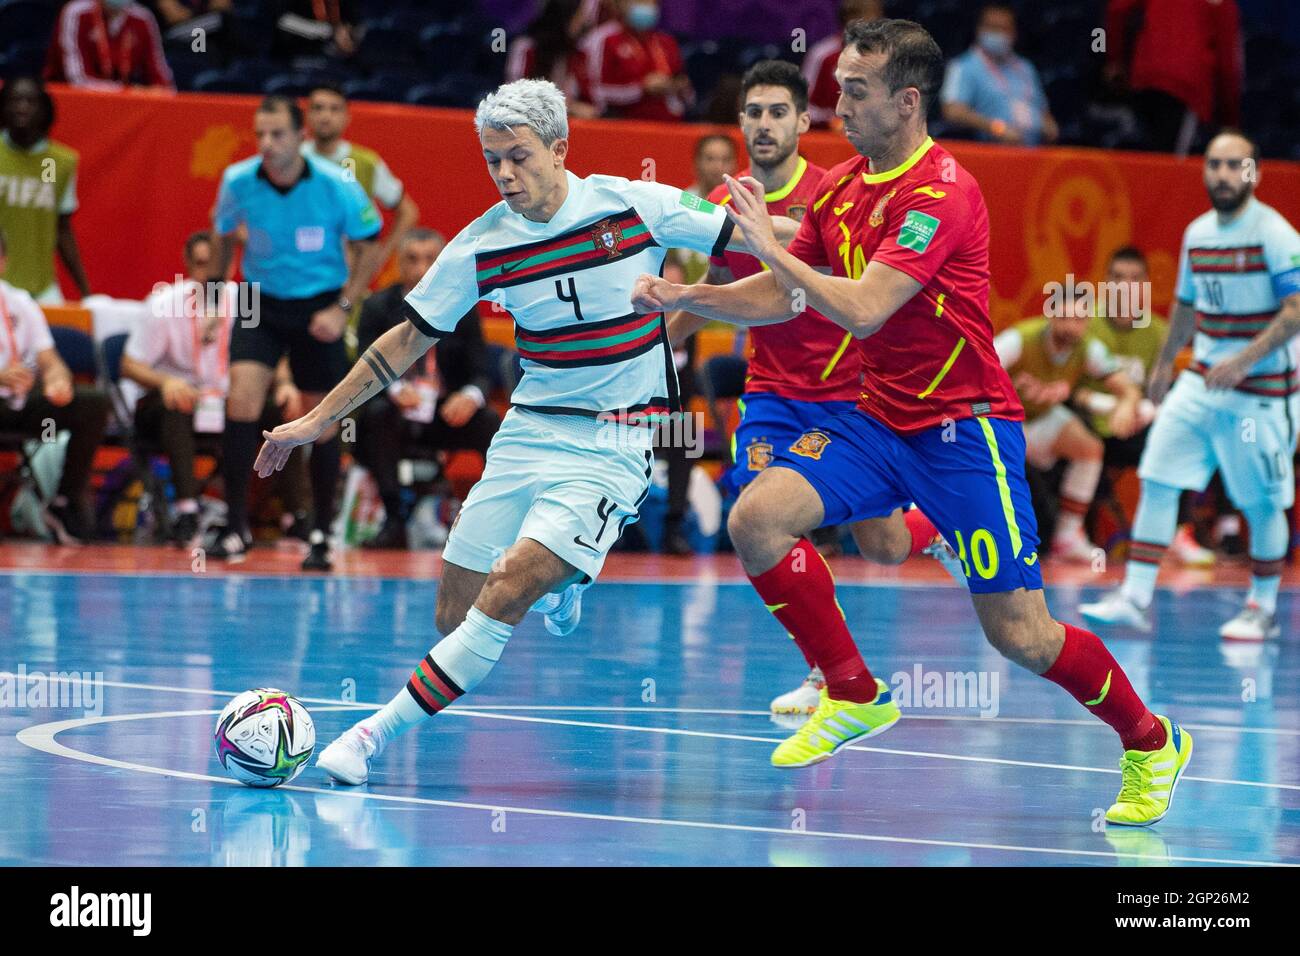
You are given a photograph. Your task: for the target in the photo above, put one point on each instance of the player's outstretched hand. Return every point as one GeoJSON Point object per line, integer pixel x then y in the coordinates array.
{"type": "Point", "coordinates": [748, 210]}
{"type": "Point", "coordinates": [281, 442]}
{"type": "Point", "coordinates": [652, 294]}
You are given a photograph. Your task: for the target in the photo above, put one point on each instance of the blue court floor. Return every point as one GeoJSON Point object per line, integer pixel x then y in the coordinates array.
{"type": "Point", "coordinates": [641, 739]}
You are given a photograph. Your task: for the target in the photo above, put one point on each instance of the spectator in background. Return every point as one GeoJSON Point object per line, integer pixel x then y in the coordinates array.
{"type": "Point", "coordinates": [819, 62]}
{"type": "Point", "coordinates": [314, 30]}
{"type": "Point", "coordinates": [35, 388]}
{"type": "Point", "coordinates": [441, 401]}
{"type": "Point", "coordinates": [715, 157]}
{"type": "Point", "coordinates": [551, 49]}
{"type": "Point", "coordinates": [637, 70]}
{"type": "Point", "coordinates": [327, 120]}
{"type": "Point", "coordinates": [1047, 359]}
{"type": "Point", "coordinates": [35, 208]}
{"type": "Point", "coordinates": [180, 18]}
{"type": "Point", "coordinates": [107, 44]}
{"type": "Point", "coordinates": [180, 354]}
{"type": "Point", "coordinates": [1185, 65]}
{"type": "Point", "coordinates": [1134, 334]}
{"type": "Point", "coordinates": [992, 91]}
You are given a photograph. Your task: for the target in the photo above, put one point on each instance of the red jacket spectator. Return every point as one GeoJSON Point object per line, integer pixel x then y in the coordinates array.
{"type": "Point", "coordinates": [621, 61]}
{"type": "Point", "coordinates": [570, 75]}
{"type": "Point", "coordinates": [1190, 49]}
{"type": "Point", "coordinates": [106, 45]}
{"type": "Point", "coordinates": [819, 70]}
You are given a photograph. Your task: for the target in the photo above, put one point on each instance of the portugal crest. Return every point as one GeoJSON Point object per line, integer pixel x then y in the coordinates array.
{"type": "Point", "coordinates": [811, 444]}
{"type": "Point", "coordinates": [608, 235]}
{"type": "Point", "coordinates": [878, 214]}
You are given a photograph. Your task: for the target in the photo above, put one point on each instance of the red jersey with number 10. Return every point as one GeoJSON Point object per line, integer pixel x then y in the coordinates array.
{"type": "Point", "coordinates": [933, 359]}
{"type": "Point", "coordinates": [809, 358]}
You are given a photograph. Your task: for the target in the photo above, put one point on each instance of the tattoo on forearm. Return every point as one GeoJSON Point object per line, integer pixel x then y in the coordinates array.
{"type": "Point", "coordinates": [351, 403]}
{"type": "Point", "coordinates": [379, 365]}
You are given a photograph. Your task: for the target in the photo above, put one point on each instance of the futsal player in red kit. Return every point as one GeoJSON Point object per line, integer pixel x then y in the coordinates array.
{"type": "Point", "coordinates": [805, 370]}
{"type": "Point", "coordinates": [903, 232]}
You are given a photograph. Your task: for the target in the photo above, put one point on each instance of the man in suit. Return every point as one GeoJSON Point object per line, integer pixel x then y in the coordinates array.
{"type": "Point", "coordinates": [440, 401]}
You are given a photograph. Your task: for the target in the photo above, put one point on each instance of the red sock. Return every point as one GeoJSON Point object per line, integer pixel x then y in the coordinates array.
{"type": "Point", "coordinates": [801, 593]}
{"type": "Point", "coordinates": [1094, 678]}
{"type": "Point", "coordinates": [921, 528]}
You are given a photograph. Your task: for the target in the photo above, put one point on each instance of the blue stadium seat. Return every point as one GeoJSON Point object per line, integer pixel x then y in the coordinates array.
{"type": "Point", "coordinates": [77, 349]}
{"type": "Point", "coordinates": [228, 80]}
{"type": "Point", "coordinates": [28, 21]}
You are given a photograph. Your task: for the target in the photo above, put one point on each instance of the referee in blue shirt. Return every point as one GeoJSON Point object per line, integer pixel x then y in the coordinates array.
{"type": "Point", "coordinates": [301, 214]}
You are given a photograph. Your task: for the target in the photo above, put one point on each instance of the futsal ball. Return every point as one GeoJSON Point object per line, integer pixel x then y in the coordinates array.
{"type": "Point", "coordinates": [264, 737]}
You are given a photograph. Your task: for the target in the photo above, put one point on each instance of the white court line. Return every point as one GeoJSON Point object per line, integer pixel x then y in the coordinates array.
{"type": "Point", "coordinates": [41, 737]}
{"type": "Point", "coordinates": [731, 580]}
{"type": "Point", "coordinates": [472, 711]}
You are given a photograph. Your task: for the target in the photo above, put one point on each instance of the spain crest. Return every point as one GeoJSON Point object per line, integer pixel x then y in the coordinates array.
{"type": "Point", "coordinates": [811, 444]}
{"type": "Point", "coordinates": [608, 235]}
{"type": "Point", "coordinates": [796, 211]}
{"type": "Point", "coordinates": [878, 214]}
{"type": "Point", "coordinates": [760, 455]}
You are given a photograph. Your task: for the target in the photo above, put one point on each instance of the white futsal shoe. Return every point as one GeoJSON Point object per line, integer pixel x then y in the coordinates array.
{"type": "Point", "coordinates": [347, 759]}
{"type": "Point", "coordinates": [942, 551]}
{"type": "Point", "coordinates": [804, 698]}
{"type": "Point", "coordinates": [561, 612]}
{"type": "Point", "coordinates": [1252, 623]}
{"type": "Point", "coordinates": [1073, 546]}
{"type": "Point", "coordinates": [1117, 610]}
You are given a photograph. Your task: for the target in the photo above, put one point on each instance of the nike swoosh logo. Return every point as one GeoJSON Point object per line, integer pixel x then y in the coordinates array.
{"type": "Point", "coordinates": [776, 607]}
{"type": "Point", "coordinates": [1105, 689]}
{"type": "Point", "coordinates": [508, 267]}
{"type": "Point", "coordinates": [1031, 560]}
{"type": "Point", "coordinates": [577, 539]}
{"type": "Point", "coordinates": [841, 210]}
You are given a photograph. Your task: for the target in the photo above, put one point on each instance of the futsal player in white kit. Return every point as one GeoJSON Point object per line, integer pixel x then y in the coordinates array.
{"type": "Point", "coordinates": [1236, 407]}
{"type": "Point", "coordinates": [572, 460]}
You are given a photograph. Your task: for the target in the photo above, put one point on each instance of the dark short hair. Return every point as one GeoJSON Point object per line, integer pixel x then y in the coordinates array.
{"type": "Point", "coordinates": [42, 94]}
{"type": "Point", "coordinates": [776, 73]}
{"type": "Point", "coordinates": [914, 58]}
{"type": "Point", "coordinates": [990, 7]}
{"type": "Point", "coordinates": [327, 86]}
{"type": "Point", "coordinates": [276, 102]}
{"type": "Point", "coordinates": [420, 234]}
{"type": "Point", "coordinates": [1128, 254]}
{"type": "Point", "coordinates": [704, 141]}
{"type": "Point", "coordinates": [196, 238]}
{"type": "Point", "coordinates": [1234, 131]}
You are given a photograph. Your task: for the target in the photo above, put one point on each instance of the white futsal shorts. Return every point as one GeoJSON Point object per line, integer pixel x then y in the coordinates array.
{"type": "Point", "coordinates": [567, 482]}
{"type": "Point", "coordinates": [1041, 435]}
{"type": "Point", "coordinates": [1249, 439]}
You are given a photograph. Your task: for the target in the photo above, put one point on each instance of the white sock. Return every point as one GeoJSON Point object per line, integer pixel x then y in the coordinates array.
{"type": "Point", "coordinates": [1068, 523]}
{"type": "Point", "coordinates": [1268, 536]}
{"type": "Point", "coordinates": [187, 506]}
{"type": "Point", "coordinates": [1079, 482]}
{"type": "Point", "coordinates": [456, 665]}
{"type": "Point", "coordinates": [1153, 529]}
{"type": "Point", "coordinates": [1263, 591]}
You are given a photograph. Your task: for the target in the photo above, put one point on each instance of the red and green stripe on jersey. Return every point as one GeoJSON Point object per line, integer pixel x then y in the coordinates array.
{"type": "Point", "coordinates": [431, 687]}
{"type": "Point", "coordinates": [1232, 325]}
{"type": "Point", "coordinates": [1275, 385]}
{"type": "Point", "coordinates": [1232, 259]}
{"type": "Point", "coordinates": [591, 343]}
{"type": "Point", "coordinates": [586, 247]}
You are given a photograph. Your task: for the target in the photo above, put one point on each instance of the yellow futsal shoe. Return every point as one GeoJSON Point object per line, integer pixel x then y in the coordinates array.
{"type": "Point", "coordinates": [834, 725]}
{"type": "Point", "coordinates": [1149, 778]}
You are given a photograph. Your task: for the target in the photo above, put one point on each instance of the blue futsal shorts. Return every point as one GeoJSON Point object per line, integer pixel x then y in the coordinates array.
{"type": "Point", "coordinates": [968, 477]}
{"type": "Point", "coordinates": [769, 423]}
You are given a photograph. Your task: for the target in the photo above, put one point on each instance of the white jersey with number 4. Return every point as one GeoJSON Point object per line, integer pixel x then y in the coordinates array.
{"type": "Point", "coordinates": [1236, 275]}
{"type": "Point", "coordinates": [568, 285]}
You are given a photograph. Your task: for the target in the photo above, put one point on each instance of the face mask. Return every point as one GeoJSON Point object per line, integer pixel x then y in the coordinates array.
{"type": "Point", "coordinates": [642, 16]}
{"type": "Point", "coordinates": [994, 42]}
